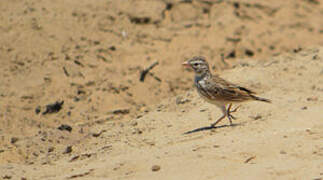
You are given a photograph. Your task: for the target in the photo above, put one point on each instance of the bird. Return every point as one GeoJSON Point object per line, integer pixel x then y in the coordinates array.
{"type": "Point", "coordinates": [217, 91]}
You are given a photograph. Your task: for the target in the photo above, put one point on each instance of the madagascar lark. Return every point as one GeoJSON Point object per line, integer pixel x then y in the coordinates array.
{"type": "Point", "coordinates": [218, 91]}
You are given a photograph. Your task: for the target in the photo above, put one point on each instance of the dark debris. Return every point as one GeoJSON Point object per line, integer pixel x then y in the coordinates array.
{"type": "Point", "coordinates": [53, 108]}
{"type": "Point", "coordinates": [65, 127]}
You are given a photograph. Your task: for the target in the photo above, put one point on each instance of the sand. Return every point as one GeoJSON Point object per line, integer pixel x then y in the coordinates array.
{"type": "Point", "coordinates": [88, 56]}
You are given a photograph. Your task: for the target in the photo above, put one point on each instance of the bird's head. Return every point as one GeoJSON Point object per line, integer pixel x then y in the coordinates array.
{"type": "Point", "coordinates": [198, 64]}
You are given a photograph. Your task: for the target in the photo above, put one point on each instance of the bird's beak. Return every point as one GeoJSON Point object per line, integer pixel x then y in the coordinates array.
{"type": "Point", "coordinates": [186, 64]}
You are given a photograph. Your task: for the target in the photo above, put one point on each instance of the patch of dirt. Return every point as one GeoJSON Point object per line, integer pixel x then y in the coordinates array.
{"type": "Point", "coordinates": [87, 57]}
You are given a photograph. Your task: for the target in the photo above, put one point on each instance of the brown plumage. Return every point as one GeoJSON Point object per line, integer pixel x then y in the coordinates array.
{"type": "Point", "coordinates": [218, 91]}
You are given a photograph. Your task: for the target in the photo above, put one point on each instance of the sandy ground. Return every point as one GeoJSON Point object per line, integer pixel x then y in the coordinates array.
{"type": "Point", "coordinates": [88, 56]}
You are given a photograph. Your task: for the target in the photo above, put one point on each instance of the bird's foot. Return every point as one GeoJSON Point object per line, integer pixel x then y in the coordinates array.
{"type": "Point", "coordinates": [229, 115]}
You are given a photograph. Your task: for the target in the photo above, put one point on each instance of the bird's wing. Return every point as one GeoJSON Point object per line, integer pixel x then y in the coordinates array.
{"type": "Point", "coordinates": [219, 89]}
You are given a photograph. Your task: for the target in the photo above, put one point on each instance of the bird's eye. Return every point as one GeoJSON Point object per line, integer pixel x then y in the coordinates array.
{"type": "Point", "coordinates": [195, 64]}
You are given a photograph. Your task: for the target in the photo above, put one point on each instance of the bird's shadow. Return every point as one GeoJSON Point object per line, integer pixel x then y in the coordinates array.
{"type": "Point", "coordinates": [210, 128]}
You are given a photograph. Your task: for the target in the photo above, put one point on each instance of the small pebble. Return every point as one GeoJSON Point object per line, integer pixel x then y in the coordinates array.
{"type": "Point", "coordinates": [257, 117]}
{"type": "Point", "coordinates": [282, 152]}
{"type": "Point", "coordinates": [65, 127]}
{"type": "Point", "coordinates": [13, 140]}
{"type": "Point", "coordinates": [312, 99]}
{"type": "Point", "coordinates": [121, 111]}
{"type": "Point", "coordinates": [51, 149]}
{"type": "Point", "coordinates": [134, 123]}
{"type": "Point", "coordinates": [181, 100]}
{"type": "Point", "coordinates": [155, 168]}
{"type": "Point", "coordinates": [249, 52]}
{"type": "Point", "coordinates": [37, 110]}
{"type": "Point", "coordinates": [6, 177]}
{"type": "Point", "coordinates": [68, 150]}
{"type": "Point", "coordinates": [112, 48]}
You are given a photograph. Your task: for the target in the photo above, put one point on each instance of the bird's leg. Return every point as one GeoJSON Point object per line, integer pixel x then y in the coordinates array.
{"type": "Point", "coordinates": [224, 111]}
{"type": "Point", "coordinates": [228, 113]}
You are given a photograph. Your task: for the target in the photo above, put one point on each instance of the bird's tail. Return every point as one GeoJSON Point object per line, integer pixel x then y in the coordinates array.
{"type": "Point", "coordinates": [261, 99]}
